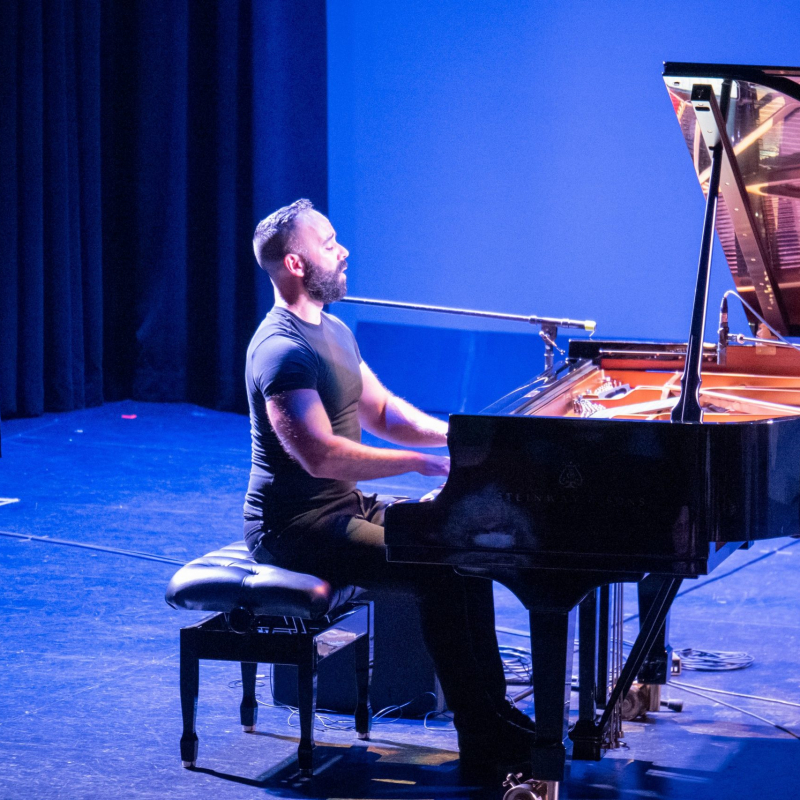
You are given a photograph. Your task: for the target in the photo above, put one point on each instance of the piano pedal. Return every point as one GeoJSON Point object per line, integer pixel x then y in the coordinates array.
{"type": "Point", "coordinates": [530, 789]}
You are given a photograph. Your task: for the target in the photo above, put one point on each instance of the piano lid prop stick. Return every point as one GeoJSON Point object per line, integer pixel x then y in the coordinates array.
{"type": "Point", "coordinates": [711, 121]}
{"type": "Point", "coordinates": [549, 325]}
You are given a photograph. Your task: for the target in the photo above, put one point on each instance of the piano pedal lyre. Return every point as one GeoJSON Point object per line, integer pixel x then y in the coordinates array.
{"type": "Point", "coordinates": [643, 698]}
{"type": "Point", "coordinates": [531, 789]}
{"type": "Point", "coordinates": [640, 699]}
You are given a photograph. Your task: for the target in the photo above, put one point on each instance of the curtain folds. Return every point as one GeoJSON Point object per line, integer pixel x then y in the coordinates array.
{"type": "Point", "coordinates": [141, 141]}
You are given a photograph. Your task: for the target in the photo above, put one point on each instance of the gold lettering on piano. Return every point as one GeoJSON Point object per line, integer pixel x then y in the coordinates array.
{"type": "Point", "coordinates": [572, 499]}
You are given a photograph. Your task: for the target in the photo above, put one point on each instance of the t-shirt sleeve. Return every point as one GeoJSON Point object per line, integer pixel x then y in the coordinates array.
{"type": "Point", "coordinates": [348, 334]}
{"type": "Point", "coordinates": [281, 364]}
{"type": "Point", "coordinates": [355, 346]}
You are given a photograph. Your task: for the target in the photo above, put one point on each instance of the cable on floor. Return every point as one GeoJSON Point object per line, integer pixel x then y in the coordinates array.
{"type": "Point", "coordinates": [98, 547]}
{"type": "Point", "coordinates": [738, 569]}
{"type": "Point", "coordinates": [517, 665]}
{"type": "Point", "coordinates": [684, 688]}
{"type": "Point", "coordinates": [513, 631]}
{"type": "Point", "coordinates": [713, 660]}
{"type": "Point", "coordinates": [321, 716]}
{"type": "Point", "coordinates": [736, 694]}
{"type": "Point", "coordinates": [726, 574]}
{"type": "Point", "coordinates": [447, 716]}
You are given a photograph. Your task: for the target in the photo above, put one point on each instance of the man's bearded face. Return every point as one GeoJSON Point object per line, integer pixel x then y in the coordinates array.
{"type": "Point", "coordinates": [323, 286]}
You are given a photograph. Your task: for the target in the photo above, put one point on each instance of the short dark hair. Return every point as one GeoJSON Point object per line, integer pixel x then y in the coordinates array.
{"type": "Point", "coordinates": [272, 237]}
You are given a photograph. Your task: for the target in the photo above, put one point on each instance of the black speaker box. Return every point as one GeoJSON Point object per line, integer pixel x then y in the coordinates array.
{"type": "Point", "coordinates": [402, 673]}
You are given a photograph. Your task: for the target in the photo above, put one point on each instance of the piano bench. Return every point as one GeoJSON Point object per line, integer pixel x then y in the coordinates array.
{"type": "Point", "coordinates": [267, 615]}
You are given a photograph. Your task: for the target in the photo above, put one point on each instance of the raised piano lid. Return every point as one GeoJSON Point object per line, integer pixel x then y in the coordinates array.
{"type": "Point", "coordinates": [758, 218]}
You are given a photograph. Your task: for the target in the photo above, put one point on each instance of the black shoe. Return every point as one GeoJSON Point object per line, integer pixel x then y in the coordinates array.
{"type": "Point", "coordinates": [493, 747]}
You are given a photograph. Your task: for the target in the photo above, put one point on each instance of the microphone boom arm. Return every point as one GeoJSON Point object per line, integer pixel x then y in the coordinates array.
{"type": "Point", "coordinates": [549, 325]}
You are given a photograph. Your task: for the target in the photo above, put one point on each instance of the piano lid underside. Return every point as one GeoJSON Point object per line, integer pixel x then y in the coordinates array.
{"type": "Point", "coordinates": [764, 131]}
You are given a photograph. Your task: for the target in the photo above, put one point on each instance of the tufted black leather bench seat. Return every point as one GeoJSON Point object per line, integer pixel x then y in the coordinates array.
{"type": "Point", "coordinates": [269, 615]}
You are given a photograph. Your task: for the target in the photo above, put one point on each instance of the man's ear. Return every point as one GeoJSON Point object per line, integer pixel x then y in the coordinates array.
{"type": "Point", "coordinates": [294, 264]}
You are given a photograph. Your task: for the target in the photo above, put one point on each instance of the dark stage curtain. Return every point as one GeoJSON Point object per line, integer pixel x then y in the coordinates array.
{"type": "Point", "coordinates": [141, 141]}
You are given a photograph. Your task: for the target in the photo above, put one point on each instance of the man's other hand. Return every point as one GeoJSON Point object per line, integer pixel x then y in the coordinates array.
{"type": "Point", "coordinates": [434, 465]}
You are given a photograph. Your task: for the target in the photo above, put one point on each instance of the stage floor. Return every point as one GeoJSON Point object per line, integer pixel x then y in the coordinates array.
{"type": "Point", "coordinates": [98, 509]}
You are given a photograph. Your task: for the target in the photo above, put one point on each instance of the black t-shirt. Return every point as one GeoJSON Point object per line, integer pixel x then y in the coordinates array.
{"type": "Point", "coordinates": [288, 353]}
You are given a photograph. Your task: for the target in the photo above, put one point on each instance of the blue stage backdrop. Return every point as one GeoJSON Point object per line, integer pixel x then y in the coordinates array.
{"type": "Point", "coordinates": [141, 141]}
{"type": "Point", "coordinates": [503, 155]}
{"type": "Point", "coordinates": [524, 157]}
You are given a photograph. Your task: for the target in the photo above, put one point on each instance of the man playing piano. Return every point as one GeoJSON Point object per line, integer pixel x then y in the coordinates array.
{"type": "Point", "coordinates": [310, 394]}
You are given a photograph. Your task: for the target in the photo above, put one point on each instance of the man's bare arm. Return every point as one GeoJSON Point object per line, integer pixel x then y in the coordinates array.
{"type": "Point", "coordinates": [395, 420]}
{"type": "Point", "coordinates": [302, 425]}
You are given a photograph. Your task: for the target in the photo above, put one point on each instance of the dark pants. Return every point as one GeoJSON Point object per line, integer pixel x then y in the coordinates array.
{"type": "Point", "coordinates": [344, 544]}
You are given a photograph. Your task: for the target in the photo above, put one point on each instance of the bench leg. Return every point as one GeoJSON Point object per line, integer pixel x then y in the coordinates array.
{"type": "Point", "coordinates": [248, 710]}
{"type": "Point", "coordinates": [190, 686]}
{"type": "Point", "coordinates": [364, 658]}
{"type": "Point", "coordinates": [307, 706]}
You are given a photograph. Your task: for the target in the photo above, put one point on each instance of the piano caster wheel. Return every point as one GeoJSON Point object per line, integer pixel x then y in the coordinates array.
{"type": "Point", "coordinates": [306, 773]}
{"type": "Point", "coordinates": [188, 764]}
{"type": "Point", "coordinates": [530, 789]}
{"type": "Point", "coordinates": [363, 736]}
{"type": "Point", "coordinates": [248, 728]}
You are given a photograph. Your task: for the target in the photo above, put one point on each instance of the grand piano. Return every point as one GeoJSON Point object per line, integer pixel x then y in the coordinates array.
{"type": "Point", "coordinates": [643, 462]}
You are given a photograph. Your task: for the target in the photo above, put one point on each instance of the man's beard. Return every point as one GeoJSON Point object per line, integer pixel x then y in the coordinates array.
{"type": "Point", "coordinates": [322, 286]}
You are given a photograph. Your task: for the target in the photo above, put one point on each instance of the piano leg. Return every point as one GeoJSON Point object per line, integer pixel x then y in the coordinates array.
{"type": "Point", "coordinates": [553, 638]}
{"type": "Point", "coordinates": [588, 736]}
{"type": "Point", "coordinates": [603, 628]}
{"type": "Point", "coordinates": [552, 600]}
{"type": "Point", "coordinates": [657, 662]}
{"type": "Point", "coordinates": [587, 746]}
